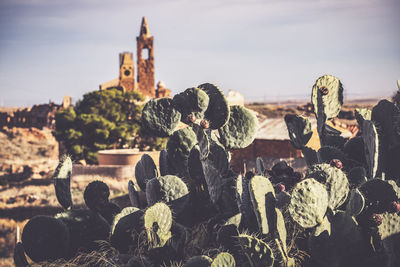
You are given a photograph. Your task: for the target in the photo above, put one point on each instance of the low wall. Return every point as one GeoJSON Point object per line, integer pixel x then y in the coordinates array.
{"type": "Point", "coordinates": [120, 171]}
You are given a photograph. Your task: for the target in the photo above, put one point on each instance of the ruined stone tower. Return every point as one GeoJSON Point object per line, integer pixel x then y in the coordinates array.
{"type": "Point", "coordinates": [126, 71]}
{"type": "Point", "coordinates": [145, 61]}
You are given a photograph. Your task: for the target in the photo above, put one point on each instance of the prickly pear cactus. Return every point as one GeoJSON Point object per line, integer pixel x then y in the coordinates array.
{"type": "Point", "coordinates": [371, 143]}
{"type": "Point", "coordinates": [299, 129]}
{"type": "Point", "coordinates": [335, 181]}
{"type": "Point", "coordinates": [362, 114]}
{"type": "Point", "coordinates": [218, 110]}
{"type": "Point", "coordinates": [309, 203]}
{"type": "Point", "coordinates": [145, 170]}
{"type": "Point", "coordinates": [331, 91]}
{"type": "Point", "coordinates": [191, 102]}
{"type": "Point", "coordinates": [160, 117]}
{"type": "Point", "coordinates": [133, 195]}
{"type": "Point", "coordinates": [158, 222]}
{"type": "Point", "coordinates": [198, 261]}
{"type": "Point", "coordinates": [179, 146]}
{"type": "Point", "coordinates": [203, 141]}
{"type": "Point", "coordinates": [241, 128]}
{"type": "Point", "coordinates": [169, 189]}
{"type": "Point", "coordinates": [62, 182]}
{"type": "Point", "coordinates": [258, 253]}
{"type": "Point", "coordinates": [262, 195]}
{"type": "Point", "coordinates": [356, 203]}
{"type": "Point", "coordinates": [223, 259]}
{"type": "Point", "coordinates": [45, 238]}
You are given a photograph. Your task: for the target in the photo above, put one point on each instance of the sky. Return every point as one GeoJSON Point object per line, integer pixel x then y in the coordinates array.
{"type": "Point", "coordinates": [268, 50]}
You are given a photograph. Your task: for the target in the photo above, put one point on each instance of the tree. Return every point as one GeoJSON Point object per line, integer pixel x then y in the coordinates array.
{"type": "Point", "coordinates": [103, 119]}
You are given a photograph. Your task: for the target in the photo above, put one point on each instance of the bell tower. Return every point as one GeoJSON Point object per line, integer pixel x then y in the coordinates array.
{"type": "Point", "coordinates": [126, 71]}
{"type": "Point", "coordinates": [145, 61]}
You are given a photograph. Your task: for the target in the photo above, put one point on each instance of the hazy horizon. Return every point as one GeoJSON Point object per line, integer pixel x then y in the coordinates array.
{"type": "Point", "coordinates": [266, 50]}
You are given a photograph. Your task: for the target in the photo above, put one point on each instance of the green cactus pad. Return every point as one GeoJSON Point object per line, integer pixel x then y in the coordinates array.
{"type": "Point", "coordinates": [371, 145]}
{"type": "Point", "coordinates": [169, 189]}
{"type": "Point", "coordinates": [160, 117]}
{"type": "Point", "coordinates": [215, 167]}
{"type": "Point", "coordinates": [163, 162]}
{"type": "Point", "coordinates": [158, 222]}
{"type": "Point", "coordinates": [357, 175]}
{"type": "Point", "coordinates": [194, 165]}
{"type": "Point", "coordinates": [327, 153]}
{"type": "Point", "coordinates": [192, 101]}
{"type": "Point", "coordinates": [332, 101]}
{"type": "Point", "coordinates": [179, 146]}
{"type": "Point", "coordinates": [224, 259]}
{"type": "Point", "coordinates": [218, 109]}
{"type": "Point", "coordinates": [309, 203]}
{"type": "Point", "coordinates": [362, 114]}
{"type": "Point", "coordinates": [126, 228]}
{"type": "Point", "coordinates": [241, 128]}
{"type": "Point", "coordinates": [62, 182]}
{"type": "Point", "coordinates": [390, 225]}
{"type": "Point", "coordinates": [45, 238]}
{"type": "Point", "coordinates": [335, 180]}
{"type": "Point", "coordinates": [262, 195]}
{"type": "Point", "coordinates": [203, 142]}
{"type": "Point", "coordinates": [385, 115]}
{"type": "Point", "coordinates": [354, 150]}
{"type": "Point", "coordinates": [281, 232]}
{"type": "Point", "coordinates": [198, 261]}
{"type": "Point", "coordinates": [377, 190]}
{"type": "Point", "coordinates": [300, 130]}
{"type": "Point", "coordinates": [260, 168]}
{"type": "Point", "coordinates": [145, 170]}
{"type": "Point", "coordinates": [356, 203]}
{"type": "Point", "coordinates": [325, 226]}
{"type": "Point", "coordinates": [257, 251]}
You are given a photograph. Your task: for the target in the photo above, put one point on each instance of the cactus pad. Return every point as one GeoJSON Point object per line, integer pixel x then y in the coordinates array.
{"type": "Point", "coordinates": [241, 128]}
{"type": "Point", "coordinates": [45, 238]}
{"type": "Point", "coordinates": [203, 142]}
{"type": "Point", "coordinates": [262, 195]}
{"type": "Point", "coordinates": [335, 181]}
{"type": "Point", "coordinates": [309, 203]}
{"type": "Point", "coordinates": [169, 189]}
{"type": "Point", "coordinates": [145, 170]}
{"type": "Point", "coordinates": [160, 117]}
{"type": "Point", "coordinates": [224, 259]}
{"type": "Point", "coordinates": [158, 222]}
{"type": "Point", "coordinates": [356, 203]}
{"type": "Point", "coordinates": [62, 182]}
{"type": "Point", "coordinates": [299, 129]}
{"type": "Point", "coordinates": [362, 114]}
{"type": "Point", "coordinates": [193, 101]}
{"type": "Point", "coordinates": [198, 261]}
{"type": "Point", "coordinates": [390, 225]}
{"type": "Point", "coordinates": [257, 251]}
{"type": "Point", "coordinates": [217, 112]}
{"type": "Point", "coordinates": [133, 194]}
{"type": "Point", "coordinates": [371, 145]}
{"type": "Point", "coordinates": [331, 91]}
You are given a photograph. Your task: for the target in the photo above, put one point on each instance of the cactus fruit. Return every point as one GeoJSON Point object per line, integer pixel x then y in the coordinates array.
{"type": "Point", "coordinates": [218, 110]}
{"type": "Point", "coordinates": [145, 170]}
{"type": "Point", "coordinates": [158, 222]}
{"type": "Point", "coordinates": [204, 124]}
{"type": "Point", "coordinates": [160, 117]}
{"type": "Point", "coordinates": [62, 182]}
{"type": "Point", "coordinates": [395, 206]}
{"type": "Point", "coordinates": [331, 91]}
{"type": "Point", "coordinates": [371, 145]}
{"type": "Point", "coordinates": [309, 203]}
{"type": "Point", "coordinates": [336, 163]}
{"type": "Point", "coordinates": [241, 128]}
{"type": "Point", "coordinates": [169, 189]}
{"type": "Point", "coordinates": [45, 239]}
{"type": "Point", "coordinates": [335, 180]}
{"type": "Point", "coordinates": [258, 253]}
{"type": "Point", "coordinates": [375, 219]}
{"type": "Point", "coordinates": [223, 259]}
{"type": "Point", "coordinates": [280, 187]}
{"type": "Point", "coordinates": [299, 129]}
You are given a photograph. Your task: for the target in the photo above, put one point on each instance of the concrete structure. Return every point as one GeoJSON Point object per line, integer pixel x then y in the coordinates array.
{"type": "Point", "coordinates": [145, 80]}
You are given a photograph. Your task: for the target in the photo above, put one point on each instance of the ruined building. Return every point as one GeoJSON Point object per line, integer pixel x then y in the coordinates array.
{"type": "Point", "coordinates": [144, 82]}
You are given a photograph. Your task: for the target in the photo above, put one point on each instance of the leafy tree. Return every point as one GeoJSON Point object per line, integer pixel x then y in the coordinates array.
{"type": "Point", "coordinates": [104, 119]}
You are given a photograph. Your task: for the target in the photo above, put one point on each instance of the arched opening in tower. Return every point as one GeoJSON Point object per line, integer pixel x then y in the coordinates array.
{"type": "Point", "coordinates": [145, 53]}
